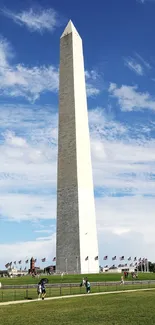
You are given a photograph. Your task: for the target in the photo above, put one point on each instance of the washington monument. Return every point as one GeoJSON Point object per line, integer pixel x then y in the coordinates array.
{"type": "Point", "coordinates": [76, 243]}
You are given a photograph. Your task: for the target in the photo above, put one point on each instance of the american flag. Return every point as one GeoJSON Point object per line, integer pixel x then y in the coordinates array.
{"type": "Point", "coordinates": [96, 258]}
{"type": "Point", "coordinates": [113, 258]}
{"type": "Point", "coordinates": [7, 265]}
{"type": "Point", "coordinates": [105, 257]}
{"type": "Point", "coordinates": [35, 260]}
{"type": "Point", "coordinates": [135, 258]}
{"type": "Point", "coordinates": [14, 262]}
{"type": "Point", "coordinates": [140, 259]}
{"type": "Point", "coordinates": [129, 258]}
{"type": "Point", "coordinates": [19, 262]}
{"type": "Point", "coordinates": [43, 259]}
{"type": "Point", "coordinates": [121, 258]}
{"type": "Point", "coordinates": [86, 259]}
{"type": "Point", "coordinates": [26, 261]}
{"type": "Point", "coordinates": [54, 259]}
{"type": "Point", "coordinates": [131, 264]}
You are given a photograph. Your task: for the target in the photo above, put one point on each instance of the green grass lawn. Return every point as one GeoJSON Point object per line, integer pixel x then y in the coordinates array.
{"type": "Point", "coordinates": [74, 278]}
{"type": "Point", "coordinates": [22, 294]}
{"type": "Point", "coordinates": [123, 309]}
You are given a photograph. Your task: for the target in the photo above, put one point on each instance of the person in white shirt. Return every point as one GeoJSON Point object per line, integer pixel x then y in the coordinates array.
{"type": "Point", "coordinates": [39, 291]}
{"type": "Point", "coordinates": [122, 279]}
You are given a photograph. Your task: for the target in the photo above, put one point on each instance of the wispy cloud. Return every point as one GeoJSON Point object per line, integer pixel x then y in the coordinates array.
{"type": "Point", "coordinates": [144, 62]}
{"type": "Point", "coordinates": [129, 98]}
{"type": "Point", "coordinates": [18, 80]}
{"type": "Point", "coordinates": [145, 1]}
{"type": "Point", "coordinates": [134, 66]}
{"type": "Point", "coordinates": [92, 83]}
{"type": "Point", "coordinates": [35, 20]}
{"type": "Point", "coordinates": [137, 64]}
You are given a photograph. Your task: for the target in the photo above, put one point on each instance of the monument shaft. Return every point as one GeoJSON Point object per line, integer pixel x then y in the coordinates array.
{"type": "Point", "coordinates": [76, 246]}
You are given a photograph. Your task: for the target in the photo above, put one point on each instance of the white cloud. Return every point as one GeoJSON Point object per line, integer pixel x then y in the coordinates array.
{"type": "Point", "coordinates": [5, 51]}
{"type": "Point", "coordinates": [44, 231]}
{"type": "Point", "coordinates": [123, 158]}
{"type": "Point", "coordinates": [122, 163]}
{"type": "Point", "coordinates": [27, 206]}
{"type": "Point", "coordinates": [30, 82]}
{"type": "Point", "coordinates": [25, 250]}
{"type": "Point", "coordinates": [19, 80]}
{"type": "Point", "coordinates": [134, 66]}
{"type": "Point", "coordinates": [92, 91]}
{"type": "Point", "coordinates": [92, 81]}
{"type": "Point", "coordinates": [129, 98]}
{"type": "Point", "coordinates": [92, 74]}
{"type": "Point", "coordinates": [39, 20]}
{"type": "Point", "coordinates": [127, 214]}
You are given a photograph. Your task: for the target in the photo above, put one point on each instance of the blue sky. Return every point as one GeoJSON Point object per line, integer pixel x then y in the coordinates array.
{"type": "Point", "coordinates": [120, 79]}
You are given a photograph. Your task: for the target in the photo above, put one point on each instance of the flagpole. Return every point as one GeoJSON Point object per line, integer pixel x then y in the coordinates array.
{"type": "Point", "coordinates": [77, 264]}
{"type": "Point", "coordinates": [66, 265]}
{"type": "Point", "coordinates": [87, 250]}
{"type": "Point", "coordinates": [145, 266]}
{"type": "Point", "coordinates": [137, 265]}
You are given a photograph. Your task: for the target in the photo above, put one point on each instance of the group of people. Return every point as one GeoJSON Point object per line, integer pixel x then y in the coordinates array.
{"type": "Point", "coordinates": [85, 283]}
{"type": "Point", "coordinates": [126, 274]}
{"type": "Point", "coordinates": [41, 290]}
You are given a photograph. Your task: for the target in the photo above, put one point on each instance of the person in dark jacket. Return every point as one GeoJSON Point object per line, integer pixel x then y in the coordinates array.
{"type": "Point", "coordinates": [43, 290]}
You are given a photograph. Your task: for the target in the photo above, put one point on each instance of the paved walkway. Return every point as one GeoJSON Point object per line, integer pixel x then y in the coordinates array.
{"type": "Point", "coordinates": [72, 296]}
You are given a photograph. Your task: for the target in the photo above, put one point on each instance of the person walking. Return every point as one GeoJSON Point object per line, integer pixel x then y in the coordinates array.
{"type": "Point", "coordinates": [122, 279]}
{"type": "Point", "coordinates": [39, 290]}
{"type": "Point", "coordinates": [88, 287]}
{"type": "Point", "coordinates": [43, 290]}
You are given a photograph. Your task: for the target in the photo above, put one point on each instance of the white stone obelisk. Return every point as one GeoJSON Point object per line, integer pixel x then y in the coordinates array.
{"type": "Point", "coordinates": [76, 244]}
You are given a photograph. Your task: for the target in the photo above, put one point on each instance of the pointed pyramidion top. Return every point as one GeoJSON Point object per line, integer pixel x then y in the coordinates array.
{"type": "Point", "coordinates": [70, 28]}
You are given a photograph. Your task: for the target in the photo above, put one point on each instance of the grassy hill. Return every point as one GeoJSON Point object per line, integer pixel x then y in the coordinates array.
{"type": "Point", "coordinates": [74, 278]}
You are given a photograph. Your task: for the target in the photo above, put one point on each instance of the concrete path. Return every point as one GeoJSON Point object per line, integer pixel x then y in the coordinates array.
{"type": "Point", "coordinates": [72, 296]}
